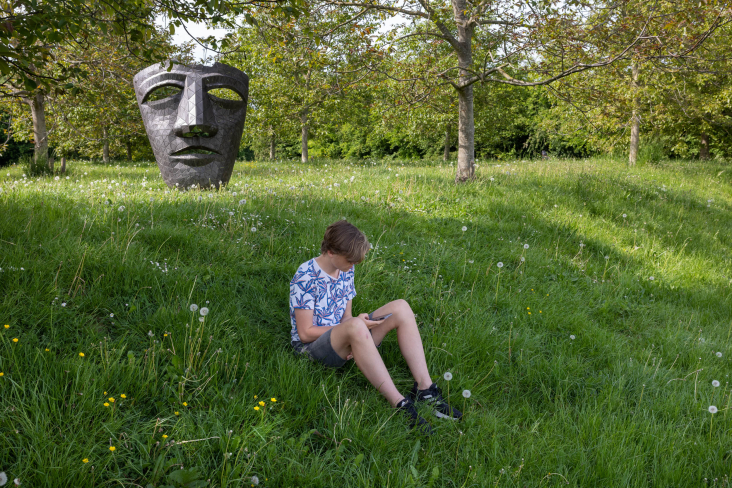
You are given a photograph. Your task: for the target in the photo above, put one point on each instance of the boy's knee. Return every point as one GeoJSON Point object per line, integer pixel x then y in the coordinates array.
{"type": "Point", "coordinates": [403, 306]}
{"type": "Point", "coordinates": [357, 329]}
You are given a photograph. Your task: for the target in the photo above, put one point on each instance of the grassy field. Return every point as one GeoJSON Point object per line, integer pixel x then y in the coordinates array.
{"type": "Point", "coordinates": [585, 306]}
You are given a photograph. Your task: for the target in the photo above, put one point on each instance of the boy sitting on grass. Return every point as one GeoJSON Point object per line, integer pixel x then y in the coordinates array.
{"type": "Point", "coordinates": [323, 326]}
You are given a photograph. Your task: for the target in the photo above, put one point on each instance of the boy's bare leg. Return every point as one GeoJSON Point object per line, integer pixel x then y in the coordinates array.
{"type": "Point", "coordinates": [353, 337]}
{"type": "Point", "coordinates": [410, 342]}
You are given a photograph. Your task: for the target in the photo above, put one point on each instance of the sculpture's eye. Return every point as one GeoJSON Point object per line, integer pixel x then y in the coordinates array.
{"type": "Point", "coordinates": [162, 92]}
{"type": "Point", "coordinates": [225, 94]}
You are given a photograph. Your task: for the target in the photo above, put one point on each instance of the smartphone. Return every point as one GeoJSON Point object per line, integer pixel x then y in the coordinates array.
{"type": "Point", "coordinates": [378, 319]}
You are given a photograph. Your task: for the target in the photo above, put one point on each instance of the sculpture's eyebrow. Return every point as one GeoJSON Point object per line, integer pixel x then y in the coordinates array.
{"type": "Point", "coordinates": [217, 80]}
{"type": "Point", "coordinates": [161, 79]}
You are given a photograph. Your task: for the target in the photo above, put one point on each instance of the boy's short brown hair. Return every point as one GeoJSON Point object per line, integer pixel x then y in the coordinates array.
{"type": "Point", "coordinates": [344, 239]}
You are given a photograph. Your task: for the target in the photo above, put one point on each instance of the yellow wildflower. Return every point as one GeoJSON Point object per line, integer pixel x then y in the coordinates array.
{"type": "Point", "coordinates": [85, 460]}
{"type": "Point", "coordinates": [261, 404]}
{"type": "Point", "coordinates": [105, 393]}
{"type": "Point", "coordinates": [15, 339]}
{"type": "Point", "coordinates": [47, 349]}
{"type": "Point", "coordinates": [111, 399]}
{"type": "Point", "coordinates": [256, 408]}
{"type": "Point", "coordinates": [274, 399]}
{"type": "Point", "coordinates": [112, 448]}
{"type": "Point", "coordinates": [177, 413]}
{"type": "Point", "coordinates": [2, 374]}
{"type": "Point", "coordinates": [123, 395]}
{"type": "Point", "coordinates": [185, 404]}
{"type": "Point", "coordinates": [7, 326]}
{"type": "Point", "coordinates": [106, 404]}
{"type": "Point", "coordinates": [255, 397]}
{"type": "Point", "coordinates": [165, 436]}
{"type": "Point", "coordinates": [81, 354]}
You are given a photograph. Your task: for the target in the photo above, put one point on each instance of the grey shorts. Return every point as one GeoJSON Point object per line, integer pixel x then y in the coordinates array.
{"type": "Point", "coordinates": [321, 350]}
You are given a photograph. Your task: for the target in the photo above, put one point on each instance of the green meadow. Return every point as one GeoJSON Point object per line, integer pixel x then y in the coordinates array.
{"type": "Point", "coordinates": [584, 310]}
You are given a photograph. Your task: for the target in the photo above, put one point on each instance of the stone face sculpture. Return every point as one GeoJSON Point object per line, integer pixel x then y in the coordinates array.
{"type": "Point", "coordinates": [194, 118]}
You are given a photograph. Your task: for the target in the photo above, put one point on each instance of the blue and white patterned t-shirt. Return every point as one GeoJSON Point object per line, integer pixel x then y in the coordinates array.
{"type": "Point", "coordinates": [313, 289]}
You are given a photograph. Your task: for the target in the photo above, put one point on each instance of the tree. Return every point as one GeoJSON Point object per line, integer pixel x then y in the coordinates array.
{"type": "Point", "coordinates": [298, 65]}
{"type": "Point", "coordinates": [528, 44]}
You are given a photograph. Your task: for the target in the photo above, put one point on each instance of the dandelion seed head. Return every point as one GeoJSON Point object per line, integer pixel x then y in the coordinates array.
{"type": "Point", "coordinates": [572, 337]}
{"type": "Point", "coordinates": [466, 393]}
{"type": "Point", "coordinates": [204, 311]}
{"type": "Point", "coordinates": [715, 383]}
{"type": "Point", "coordinates": [500, 264]}
{"type": "Point", "coordinates": [447, 376]}
{"type": "Point", "coordinates": [193, 307]}
{"type": "Point", "coordinates": [464, 228]}
{"type": "Point", "coordinates": [719, 354]}
{"type": "Point", "coordinates": [526, 246]}
{"type": "Point", "coordinates": [712, 409]}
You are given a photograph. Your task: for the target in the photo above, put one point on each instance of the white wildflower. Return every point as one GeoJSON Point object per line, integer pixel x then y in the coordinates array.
{"type": "Point", "coordinates": [526, 246]}
{"type": "Point", "coordinates": [712, 409]}
{"type": "Point", "coordinates": [466, 393]}
{"type": "Point", "coordinates": [464, 228]}
{"type": "Point", "coordinates": [193, 307]}
{"type": "Point", "coordinates": [500, 264]}
{"type": "Point", "coordinates": [572, 337]}
{"type": "Point", "coordinates": [447, 376]}
{"type": "Point", "coordinates": [715, 383]}
{"type": "Point", "coordinates": [204, 311]}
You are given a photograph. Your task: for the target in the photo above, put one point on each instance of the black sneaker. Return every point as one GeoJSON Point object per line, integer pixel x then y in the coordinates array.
{"type": "Point", "coordinates": [407, 407]}
{"type": "Point", "coordinates": [433, 396]}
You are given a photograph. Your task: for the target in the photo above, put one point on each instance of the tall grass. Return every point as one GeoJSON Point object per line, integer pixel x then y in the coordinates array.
{"type": "Point", "coordinates": [589, 355]}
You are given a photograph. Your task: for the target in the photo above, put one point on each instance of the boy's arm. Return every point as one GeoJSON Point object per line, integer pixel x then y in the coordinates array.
{"type": "Point", "coordinates": [305, 328]}
{"type": "Point", "coordinates": [347, 314]}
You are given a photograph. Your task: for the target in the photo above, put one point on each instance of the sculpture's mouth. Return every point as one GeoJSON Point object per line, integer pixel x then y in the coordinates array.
{"type": "Point", "coordinates": [194, 150]}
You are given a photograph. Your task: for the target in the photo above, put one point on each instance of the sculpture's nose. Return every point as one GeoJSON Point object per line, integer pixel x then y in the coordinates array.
{"type": "Point", "coordinates": [196, 116]}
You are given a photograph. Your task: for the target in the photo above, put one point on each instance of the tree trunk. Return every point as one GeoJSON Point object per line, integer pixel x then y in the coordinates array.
{"type": "Point", "coordinates": [272, 145]}
{"type": "Point", "coordinates": [105, 150]}
{"type": "Point", "coordinates": [40, 135]}
{"type": "Point", "coordinates": [446, 154]}
{"type": "Point", "coordinates": [50, 163]}
{"type": "Point", "coordinates": [635, 119]}
{"type": "Point", "coordinates": [466, 124]}
{"type": "Point", "coordinates": [63, 164]}
{"type": "Point", "coordinates": [704, 148]}
{"type": "Point", "coordinates": [304, 120]}
{"type": "Point", "coordinates": [129, 150]}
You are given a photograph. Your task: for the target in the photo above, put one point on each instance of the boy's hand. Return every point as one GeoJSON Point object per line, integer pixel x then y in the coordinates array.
{"type": "Point", "coordinates": [369, 323]}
